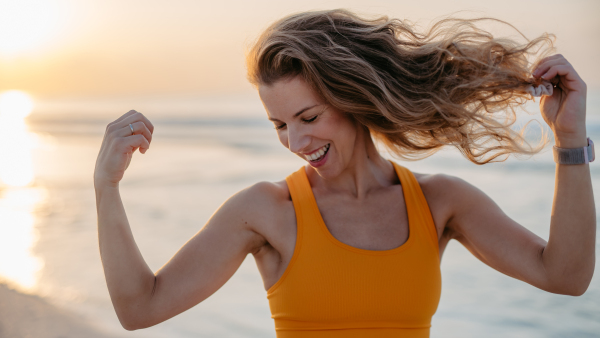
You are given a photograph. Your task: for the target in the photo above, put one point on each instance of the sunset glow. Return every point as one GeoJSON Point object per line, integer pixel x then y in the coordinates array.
{"type": "Point", "coordinates": [18, 200]}
{"type": "Point", "coordinates": [17, 236]}
{"type": "Point", "coordinates": [16, 142]}
{"type": "Point", "coordinates": [27, 24]}
{"type": "Point", "coordinates": [15, 104]}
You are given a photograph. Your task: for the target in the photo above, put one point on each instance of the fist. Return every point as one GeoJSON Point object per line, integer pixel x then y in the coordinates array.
{"type": "Point", "coordinates": [565, 110]}
{"type": "Point", "coordinates": [122, 138]}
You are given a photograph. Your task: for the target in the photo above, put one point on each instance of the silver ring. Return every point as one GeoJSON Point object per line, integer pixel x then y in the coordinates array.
{"type": "Point", "coordinates": [131, 127]}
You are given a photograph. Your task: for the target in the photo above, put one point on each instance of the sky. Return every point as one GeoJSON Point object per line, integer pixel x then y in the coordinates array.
{"type": "Point", "coordinates": [70, 49]}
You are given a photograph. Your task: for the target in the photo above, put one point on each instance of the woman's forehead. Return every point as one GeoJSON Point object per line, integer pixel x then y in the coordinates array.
{"type": "Point", "coordinates": [285, 98]}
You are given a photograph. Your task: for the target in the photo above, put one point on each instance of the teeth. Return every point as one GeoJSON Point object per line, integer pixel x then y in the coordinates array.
{"type": "Point", "coordinates": [318, 153]}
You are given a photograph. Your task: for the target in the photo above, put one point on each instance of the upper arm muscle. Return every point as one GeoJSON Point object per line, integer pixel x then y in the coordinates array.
{"type": "Point", "coordinates": [494, 238]}
{"type": "Point", "coordinates": [209, 258]}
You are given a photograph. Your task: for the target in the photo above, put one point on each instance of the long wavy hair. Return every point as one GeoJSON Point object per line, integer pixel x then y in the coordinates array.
{"type": "Point", "coordinates": [453, 85]}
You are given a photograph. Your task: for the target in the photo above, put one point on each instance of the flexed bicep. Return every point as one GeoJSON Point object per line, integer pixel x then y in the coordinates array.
{"type": "Point", "coordinates": [206, 261]}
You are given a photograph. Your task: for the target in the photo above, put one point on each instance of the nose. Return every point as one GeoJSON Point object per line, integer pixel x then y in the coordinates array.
{"type": "Point", "coordinates": [297, 141]}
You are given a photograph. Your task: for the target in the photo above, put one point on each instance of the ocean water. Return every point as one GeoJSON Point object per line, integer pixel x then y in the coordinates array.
{"type": "Point", "coordinates": [194, 164]}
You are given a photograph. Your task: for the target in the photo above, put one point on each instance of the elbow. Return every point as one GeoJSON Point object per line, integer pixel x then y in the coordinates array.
{"type": "Point", "coordinates": [574, 288]}
{"type": "Point", "coordinates": [573, 292]}
{"type": "Point", "coordinates": [135, 312]}
{"type": "Point", "coordinates": [129, 326]}
{"type": "Point", "coordinates": [133, 318]}
{"type": "Point", "coordinates": [574, 281]}
{"type": "Point", "coordinates": [129, 323]}
{"type": "Point", "coordinates": [577, 290]}
{"type": "Point", "coordinates": [132, 324]}
{"type": "Point", "coordinates": [567, 290]}
{"type": "Point", "coordinates": [581, 287]}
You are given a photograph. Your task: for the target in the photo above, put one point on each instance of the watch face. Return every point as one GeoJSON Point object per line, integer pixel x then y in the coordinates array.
{"type": "Point", "coordinates": [590, 146]}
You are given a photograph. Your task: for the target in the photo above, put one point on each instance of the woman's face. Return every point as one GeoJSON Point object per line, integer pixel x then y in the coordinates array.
{"type": "Point", "coordinates": [308, 127]}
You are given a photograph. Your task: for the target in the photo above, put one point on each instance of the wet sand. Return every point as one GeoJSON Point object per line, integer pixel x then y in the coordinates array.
{"type": "Point", "coordinates": [24, 316]}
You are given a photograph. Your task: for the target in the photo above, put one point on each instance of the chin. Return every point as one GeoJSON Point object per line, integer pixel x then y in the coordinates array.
{"type": "Point", "coordinates": [331, 168]}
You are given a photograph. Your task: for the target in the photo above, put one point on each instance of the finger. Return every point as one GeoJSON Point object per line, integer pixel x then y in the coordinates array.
{"type": "Point", "coordinates": [571, 79]}
{"type": "Point", "coordinates": [145, 145]}
{"type": "Point", "coordinates": [138, 128]}
{"type": "Point", "coordinates": [122, 129]}
{"type": "Point", "coordinates": [131, 143]}
{"type": "Point", "coordinates": [111, 126]}
{"type": "Point", "coordinates": [135, 118]}
{"type": "Point", "coordinates": [116, 124]}
{"type": "Point", "coordinates": [124, 116]}
{"type": "Point", "coordinates": [560, 70]}
{"type": "Point", "coordinates": [543, 67]}
{"type": "Point", "coordinates": [555, 56]}
{"type": "Point", "coordinates": [131, 117]}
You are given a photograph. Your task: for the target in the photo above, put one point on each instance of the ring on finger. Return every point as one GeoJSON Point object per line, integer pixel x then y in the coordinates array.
{"type": "Point", "coordinates": [131, 127]}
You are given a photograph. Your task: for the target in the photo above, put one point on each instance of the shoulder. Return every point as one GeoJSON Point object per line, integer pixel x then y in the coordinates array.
{"type": "Point", "coordinates": [443, 185]}
{"type": "Point", "coordinates": [262, 206]}
{"type": "Point", "coordinates": [447, 197]}
{"type": "Point", "coordinates": [461, 195]}
{"type": "Point", "coordinates": [268, 193]}
{"type": "Point", "coordinates": [254, 212]}
{"type": "Point", "coordinates": [260, 198]}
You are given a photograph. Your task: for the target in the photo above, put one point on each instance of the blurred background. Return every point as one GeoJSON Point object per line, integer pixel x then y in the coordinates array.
{"type": "Point", "coordinates": [69, 67]}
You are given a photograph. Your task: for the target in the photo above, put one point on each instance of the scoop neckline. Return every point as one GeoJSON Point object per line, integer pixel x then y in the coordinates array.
{"type": "Point", "coordinates": [329, 235]}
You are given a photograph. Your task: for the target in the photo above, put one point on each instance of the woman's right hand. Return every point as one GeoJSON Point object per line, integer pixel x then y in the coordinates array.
{"type": "Point", "coordinates": [118, 146]}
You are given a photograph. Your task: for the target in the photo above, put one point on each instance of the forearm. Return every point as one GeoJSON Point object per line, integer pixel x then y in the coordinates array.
{"type": "Point", "coordinates": [569, 256]}
{"type": "Point", "coordinates": [129, 279]}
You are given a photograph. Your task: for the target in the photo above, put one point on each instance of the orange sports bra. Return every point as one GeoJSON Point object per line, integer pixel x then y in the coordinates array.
{"type": "Point", "coordinates": [331, 289]}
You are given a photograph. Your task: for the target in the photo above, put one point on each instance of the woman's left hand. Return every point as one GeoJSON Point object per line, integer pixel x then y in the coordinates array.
{"type": "Point", "coordinates": [564, 111]}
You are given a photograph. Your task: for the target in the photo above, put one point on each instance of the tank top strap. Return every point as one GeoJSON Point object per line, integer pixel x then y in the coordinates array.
{"type": "Point", "coordinates": [297, 191]}
{"type": "Point", "coordinates": [305, 206]}
{"type": "Point", "coordinates": [416, 205]}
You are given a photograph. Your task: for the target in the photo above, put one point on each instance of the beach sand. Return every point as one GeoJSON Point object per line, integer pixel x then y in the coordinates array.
{"type": "Point", "coordinates": [24, 316]}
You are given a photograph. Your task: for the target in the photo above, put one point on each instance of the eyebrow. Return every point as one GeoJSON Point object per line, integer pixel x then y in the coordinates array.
{"type": "Point", "coordinates": [298, 113]}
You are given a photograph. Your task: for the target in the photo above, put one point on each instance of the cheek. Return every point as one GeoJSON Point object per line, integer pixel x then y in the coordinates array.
{"type": "Point", "coordinates": [343, 128]}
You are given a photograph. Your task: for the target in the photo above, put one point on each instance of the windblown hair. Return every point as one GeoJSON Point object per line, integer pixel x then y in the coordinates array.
{"type": "Point", "coordinates": [454, 85]}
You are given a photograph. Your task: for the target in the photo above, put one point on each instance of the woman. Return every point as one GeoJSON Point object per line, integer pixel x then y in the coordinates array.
{"type": "Point", "coordinates": [350, 244]}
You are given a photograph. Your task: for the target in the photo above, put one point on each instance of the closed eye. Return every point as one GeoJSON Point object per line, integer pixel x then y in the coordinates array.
{"type": "Point", "coordinates": [311, 119]}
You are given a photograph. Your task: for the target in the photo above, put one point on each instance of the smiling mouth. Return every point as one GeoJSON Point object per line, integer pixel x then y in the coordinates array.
{"type": "Point", "coordinates": [318, 155]}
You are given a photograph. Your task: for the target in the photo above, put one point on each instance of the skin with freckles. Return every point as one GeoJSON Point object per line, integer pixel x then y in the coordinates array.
{"type": "Point", "coordinates": [361, 201]}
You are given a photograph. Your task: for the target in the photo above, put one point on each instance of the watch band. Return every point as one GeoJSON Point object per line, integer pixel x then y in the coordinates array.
{"type": "Point", "coordinates": [575, 155]}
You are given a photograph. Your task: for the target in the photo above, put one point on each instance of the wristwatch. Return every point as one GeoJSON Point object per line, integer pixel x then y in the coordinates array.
{"type": "Point", "coordinates": [575, 155]}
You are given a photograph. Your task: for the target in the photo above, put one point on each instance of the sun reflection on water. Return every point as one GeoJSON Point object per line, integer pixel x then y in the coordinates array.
{"type": "Point", "coordinates": [17, 235]}
{"type": "Point", "coordinates": [19, 198]}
